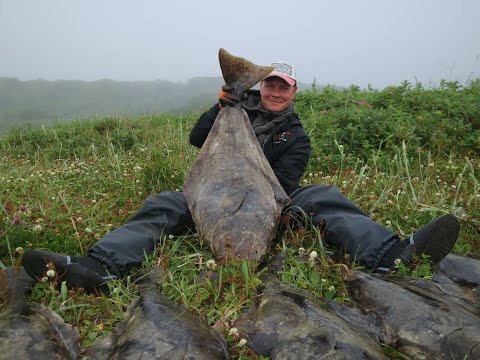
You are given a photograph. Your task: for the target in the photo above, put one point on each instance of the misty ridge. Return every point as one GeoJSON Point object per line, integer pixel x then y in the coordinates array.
{"type": "Point", "coordinates": [42, 102]}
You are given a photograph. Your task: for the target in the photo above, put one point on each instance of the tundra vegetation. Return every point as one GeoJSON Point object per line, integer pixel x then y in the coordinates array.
{"type": "Point", "coordinates": [405, 154]}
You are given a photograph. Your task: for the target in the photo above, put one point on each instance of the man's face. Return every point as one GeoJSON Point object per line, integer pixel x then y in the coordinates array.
{"type": "Point", "coordinates": [276, 94]}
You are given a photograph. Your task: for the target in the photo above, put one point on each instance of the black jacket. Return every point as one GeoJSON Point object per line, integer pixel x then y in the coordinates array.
{"type": "Point", "coordinates": [287, 147]}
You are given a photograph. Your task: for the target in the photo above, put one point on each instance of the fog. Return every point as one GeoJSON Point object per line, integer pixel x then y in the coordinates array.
{"type": "Point", "coordinates": [366, 42]}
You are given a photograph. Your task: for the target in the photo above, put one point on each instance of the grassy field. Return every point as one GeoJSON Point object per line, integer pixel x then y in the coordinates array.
{"type": "Point", "coordinates": [405, 155]}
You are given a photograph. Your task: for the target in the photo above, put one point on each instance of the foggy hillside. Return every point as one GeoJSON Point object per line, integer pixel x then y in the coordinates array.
{"type": "Point", "coordinates": [40, 102]}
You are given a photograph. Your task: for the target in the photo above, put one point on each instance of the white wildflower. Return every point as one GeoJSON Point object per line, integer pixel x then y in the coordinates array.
{"type": "Point", "coordinates": [170, 236]}
{"type": "Point", "coordinates": [301, 251]}
{"type": "Point", "coordinates": [397, 262]}
{"type": "Point", "coordinates": [331, 288]}
{"type": "Point", "coordinates": [37, 228]}
{"type": "Point", "coordinates": [388, 222]}
{"type": "Point", "coordinates": [313, 255]}
{"type": "Point", "coordinates": [211, 264]}
{"type": "Point", "coordinates": [233, 332]}
{"type": "Point", "coordinates": [51, 273]}
{"type": "Point", "coordinates": [242, 342]}
{"type": "Point", "coordinates": [44, 279]}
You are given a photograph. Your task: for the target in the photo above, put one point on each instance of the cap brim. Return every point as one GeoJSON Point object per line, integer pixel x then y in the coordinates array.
{"type": "Point", "coordinates": [288, 79]}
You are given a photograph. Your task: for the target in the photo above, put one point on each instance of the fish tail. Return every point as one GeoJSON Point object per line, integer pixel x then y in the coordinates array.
{"type": "Point", "coordinates": [241, 74]}
{"type": "Point", "coordinates": [15, 284]}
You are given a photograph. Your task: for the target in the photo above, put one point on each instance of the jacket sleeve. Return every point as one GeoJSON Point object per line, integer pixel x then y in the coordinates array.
{"type": "Point", "coordinates": [200, 130]}
{"type": "Point", "coordinates": [290, 167]}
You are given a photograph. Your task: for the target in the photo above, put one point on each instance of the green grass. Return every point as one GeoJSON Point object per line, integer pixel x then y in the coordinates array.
{"type": "Point", "coordinates": [410, 157]}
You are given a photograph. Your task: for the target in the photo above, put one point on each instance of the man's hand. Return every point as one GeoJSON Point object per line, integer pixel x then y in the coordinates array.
{"type": "Point", "coordinates": [225, 97]}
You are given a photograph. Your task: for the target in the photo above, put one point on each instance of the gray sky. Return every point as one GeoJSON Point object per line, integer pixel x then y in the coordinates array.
{"type": "Point", "coordinates": [377, 42]}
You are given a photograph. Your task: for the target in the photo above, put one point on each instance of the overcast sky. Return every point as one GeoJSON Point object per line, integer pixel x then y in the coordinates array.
{"type": "Point", "coordinates": [377, 42]}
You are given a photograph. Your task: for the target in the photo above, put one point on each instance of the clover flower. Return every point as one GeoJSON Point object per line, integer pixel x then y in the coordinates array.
{"type": "Point", "coordinates": [242, 342]}
{"type": "Point", "coordinates": [313, 255]}
{"type": "Point", "coordinates": [23, 208]}
{"type": "Point", "coordinates": [211, 264]}
{"type": "Point", "coordinates": [16, 221]}
{"type": "Point", "coordinates": [19, 250]}
{"type": "Point", "coordinates": [397, 262]}
{"type": "Point", "coordinates": [233, 331]}
{"type": "Point", "coordinates": [50, 273]}
{"type": "Point", "coordinates": [331, 288]}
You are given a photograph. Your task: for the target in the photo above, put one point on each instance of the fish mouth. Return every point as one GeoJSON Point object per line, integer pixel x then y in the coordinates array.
{"type": "Point", "coordinates": [246, 243]}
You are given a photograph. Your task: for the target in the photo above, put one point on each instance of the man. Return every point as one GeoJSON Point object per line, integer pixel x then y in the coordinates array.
{"type": "Point", "coordinates": [286, 146]}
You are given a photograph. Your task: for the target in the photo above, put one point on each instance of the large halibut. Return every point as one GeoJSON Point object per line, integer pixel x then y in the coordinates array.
{"type": "Point", "coordinates": [231, 190]}
{"type": "Point", "coordinates": [31, 331]}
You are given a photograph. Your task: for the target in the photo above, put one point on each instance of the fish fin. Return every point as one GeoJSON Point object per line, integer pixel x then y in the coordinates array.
{"type": "Point", "coordinates": [239, 73]}
{"type": "Point", "coordinates": [15, 284]}
{"type": "Point", "coordinates": [234, 200]}
{"type": "Point", "coordinates": [280, 196]}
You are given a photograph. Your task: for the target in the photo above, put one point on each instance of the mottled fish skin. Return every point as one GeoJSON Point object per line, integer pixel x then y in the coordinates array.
{"type": "Point", "coordinates": [31, 331]}
{"type": "Point", "coordinates": [233, 194]}
{"type": "Point", "coordinates": [442, 289]}
{"type": "Point", "coordinates": [415, 323]}
{"type": "Point", "coordinates": [156, 327]}
{"type": "Point", "coordinates": [465, 272]}
{"type": "Point", "coordinates": [289, 323]}
{"type": "Point", "coordinates": [231, 190]}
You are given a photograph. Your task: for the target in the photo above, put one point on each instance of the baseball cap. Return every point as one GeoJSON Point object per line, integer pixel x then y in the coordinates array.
{"type": "Point", "coordinates": [284, 71]}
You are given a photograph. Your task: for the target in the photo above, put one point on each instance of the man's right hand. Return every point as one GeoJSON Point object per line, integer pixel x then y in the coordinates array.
{"type": "Point", "coordinates": [225, 97]}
